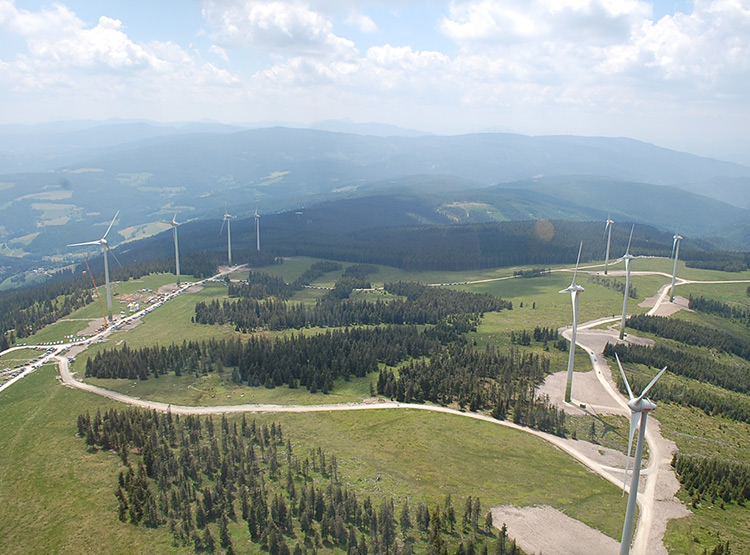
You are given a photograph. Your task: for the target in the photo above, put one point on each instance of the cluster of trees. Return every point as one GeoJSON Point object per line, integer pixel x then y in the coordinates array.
{"type": "Point", "coordinates": [721, 264]}
{"type": "Point", "coordinates": [354, 277]}
{"type": "Point", "coordinates": [28, 310]}
{"type": "Point", "coordinates": [196, 478]}
{"type": "Point", "coordinates": [693, 334]}
{"type": "Point", "coordinates": [532, 273]}
{"type": "Point", "coordinates": [712, 306]}
{"type": "Point", "coordinates": [540, 335]}
{"type": "Point", "coordinates": [713, 478]}
{"type": "Point", "coordinates": [702, 368]}
{"type": "Point", "coordinates": [480, 380]}
{"type": "Point", "coordinates": [260, 285]}
{"type": "Point", "coordinates": [313, 361]}
{"type": "Point", "coordinates": [422, 305]}
{"type": "Point", "coordinates": [617, 285]}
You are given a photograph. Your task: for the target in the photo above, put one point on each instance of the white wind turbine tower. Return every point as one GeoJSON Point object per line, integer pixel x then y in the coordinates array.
{"type": "Point", "coordinates": [105, 247]}
{"type": "Point", "coordinates": [639, 409]}
{"type": "Point", "coordinates": [174, 225]}
{"type": "Point", "coordinates": [228, 220]}
{"type": "Point", "coordinates": [627, 257]}
{"type": "Point", "coordinates": [257, 229]}
{"type": "Point", "coordinates": [676, 253]}
{"type": "Point", "coordinates": [608, 231]}
{"type": "Point", "coordinates": [574, 289]}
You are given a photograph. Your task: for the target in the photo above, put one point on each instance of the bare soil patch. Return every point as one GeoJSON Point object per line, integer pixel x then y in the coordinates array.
{"type": "Point", "coordinates": [93, 327]}
{"type": "Point", "coordinates": [547, 530]}
{"type": "Point", "coordinates": [666, 308]}
{"type": "Point", "coordinates": [167, 289]}
{"type": "Point", "coordinates": [586, 388]}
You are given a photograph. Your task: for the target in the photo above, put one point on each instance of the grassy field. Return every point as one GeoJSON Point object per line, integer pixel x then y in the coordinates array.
{"type": "Point", "coordinates": [56, 497]}
{"type": "Point", "coordinates": [44, 468]}
{"type": "Point", "coordinates": [19, 356]}
{"type": "Point", "coordinates": [213, 389]}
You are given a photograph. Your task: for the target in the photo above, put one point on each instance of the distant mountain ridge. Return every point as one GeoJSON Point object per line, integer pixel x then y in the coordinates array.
{"type": "Point", "coordinates": [198, 169]}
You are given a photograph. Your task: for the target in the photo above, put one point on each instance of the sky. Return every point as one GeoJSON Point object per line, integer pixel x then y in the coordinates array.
{"type": "Point", "coordinates": [672, 73]}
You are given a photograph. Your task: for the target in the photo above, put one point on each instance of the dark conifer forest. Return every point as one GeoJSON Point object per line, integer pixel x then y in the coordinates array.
{"type": "Point", "coordinates": [196, 477]}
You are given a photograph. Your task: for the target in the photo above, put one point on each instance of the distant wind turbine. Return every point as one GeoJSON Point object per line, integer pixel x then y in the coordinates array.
{"type": "Point", "coordinates": [257, 229]}
{"type": "Point", "coordinates": [574, 289]}
{"type": "Point", "coordinates": [676, 253]}
{"type": "Point", "coordinates": [627, 257]}
{"type": "Point", "coordinates": [228, 220]}
{"type": "Point", "coordinates": [174, 225]}
{"type": "Point", "coordinates": [639, 409]}
{"type": "Point", "coordinates": [608, 231]}
{"type": "Point", "coordinates": [105, 248]}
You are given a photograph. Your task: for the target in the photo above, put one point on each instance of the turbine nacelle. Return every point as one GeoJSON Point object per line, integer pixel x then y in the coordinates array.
{"type": "Point", "coordinates": [639, 407]}
{"type": "Point", "coordinates": [572, 288]}
{"type": "Point", "coordinates": [675, 240]}
{"type": "Point", "coordinates": [642, 405]}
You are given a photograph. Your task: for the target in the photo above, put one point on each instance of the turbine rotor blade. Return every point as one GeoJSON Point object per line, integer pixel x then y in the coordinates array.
{"type": "Point", "coordinates": [115, 257]}
{"type": "Point", "coordinates": [635, 421]}
{"type": "Point", "coordinates": [578, 260]}
{"type": "Point", "coordinates": [627, 251]}
{"type": "Point", "coordinates": [222, 224]}
{"type": "Point", "coordinates": [622, 373]}
{"type": "Point", "coordinates": [86, 243]}
{"type": "Point", "coordinates": [651, 383]}
{"type": "Point", "coordinates": [110, 225]}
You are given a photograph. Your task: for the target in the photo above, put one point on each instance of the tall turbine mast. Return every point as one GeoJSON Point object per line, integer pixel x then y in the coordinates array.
{"type": "Point", "coordinates": [574, 289]}
{"type": "Point", "coordinates": [174, 225]}
{"type": "Point", "coordinates": [257, 229]}
{"type": "Point", "coordinates": [676, 253]}
{"type": "Point", "coordinates": [228, 220]}
{"type": "Point", "coordinates": [608, 231]}
{"type": "Point", "coordinates": [105, 248]}
{"type": "Point", "coordinates": [639, 409]}
{"type": "Point", "coordinates": [627, 257]}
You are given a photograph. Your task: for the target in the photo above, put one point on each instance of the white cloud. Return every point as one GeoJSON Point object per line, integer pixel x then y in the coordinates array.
{"type": "Point", "coordinates": [219, 52]}
{"type": "Point", "coordinates": [363, 22]}
{"type": "Point", "coordinates": [52, 22]}
{"type": "Point", "coordinates": [479, 23]}
{"type": "Point", "coordinates": [85, 68]}
{"type": "Point", "coordinates": [286, 27]}
{"type": "Point", "coordinates": [707, 49]}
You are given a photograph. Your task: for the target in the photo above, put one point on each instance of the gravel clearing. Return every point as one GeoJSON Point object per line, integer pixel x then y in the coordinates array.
{"type": "Point", "coordinates": [548, 531]}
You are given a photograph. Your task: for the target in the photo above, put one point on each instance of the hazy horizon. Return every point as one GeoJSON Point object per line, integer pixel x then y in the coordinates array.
{"type": "Point", "coordinates": [674, 74]}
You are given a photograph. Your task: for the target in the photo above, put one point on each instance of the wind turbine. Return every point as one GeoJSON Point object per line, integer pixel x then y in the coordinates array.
{"type": "Point", "coordinates": [676, 253]}
{"type": "Point", "coordinates": [574, 289]}
{"type": "Point", "coordinates": [639, 409]}
{"type": "Point", "coordinates": [228, 220]}
{"type": "Point", "coordinates": [174, 225]}
{"type": "Point", "coordinates": [257, 229]}
{"type": "Point", "coordinates": [627, 257]}
{"type": "Point", "coordinates": [608, 230]}
{"type": "Point", "coordinates": [105, 247]}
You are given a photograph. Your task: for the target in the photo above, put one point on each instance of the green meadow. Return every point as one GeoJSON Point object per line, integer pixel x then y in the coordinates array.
{"type": "Point", "coordinates": [57, 497]}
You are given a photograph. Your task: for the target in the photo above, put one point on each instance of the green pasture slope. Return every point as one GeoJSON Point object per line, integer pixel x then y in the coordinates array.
{"type": "Point", "coordinates": [56, 497]}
